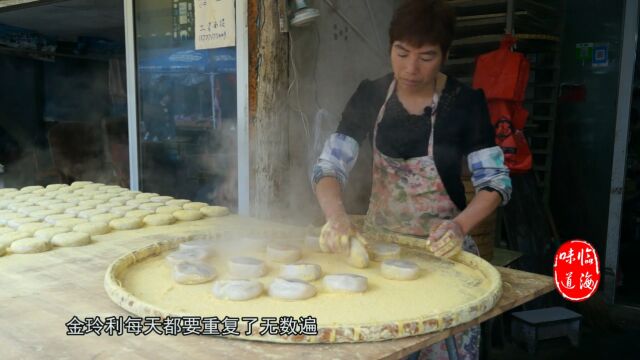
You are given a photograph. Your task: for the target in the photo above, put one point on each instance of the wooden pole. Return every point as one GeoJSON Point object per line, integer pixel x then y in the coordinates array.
{"type": "Point", "coordinates": [269, 123]}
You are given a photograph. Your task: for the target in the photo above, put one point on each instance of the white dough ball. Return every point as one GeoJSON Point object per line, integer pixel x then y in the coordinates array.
{"type": "Point", "coordinates": [193, 273]}
{"type": "Point", "coordinates": [180, 256]}
{"type": "Point", "coordinates": [71, 239]}
{"type": "Point", "coordinates": [53, 219]}
{"type": "Point", "coordinates": [177, 202]}
{"type": "Point", "coordinates": [70, 223]}
{"type": "Point", "coordinates": [29, 246]}
{"type": "Point", "coordinates": [48, 233]}
{"type": "Point", "coordinates": [281, 253]}
{"type": "Point", "coordinates": [237, 290]}
{"type": "Point", "coordinates": [159, 219]}
{"type": "Point", "coordinates": [302, 271]}
{"type": "Point", "coordinates": [385, 251]}
{"type": "Point", "coordinates": [349, 283]}
{"type": "Point", "coordinates": [126, 223]}
{"type": "Point", "coordinates": [167, 209]}
{"type": "Point", "coordinates": [33, 227]}
{"type": "Point", "coordinates": [194, 205]}
{"type": "Point", "coordinates": [93, 228]}
{"type": "Point", "coordinates": [399, 269]}
{"type": "Point", "coordinates": [214, 211]}
{"type": "Point", "coordinates": [188, 215]}
{"type": "Point", "coordinates": [244, 267]}
{"type": "Point", "coordinates": [15, 223]}
{"type": "Point", "coordinates": [291, 289]}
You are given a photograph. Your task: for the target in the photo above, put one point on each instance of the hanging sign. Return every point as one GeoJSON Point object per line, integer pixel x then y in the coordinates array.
{"type": "Point", "coordinates": [215, 24]}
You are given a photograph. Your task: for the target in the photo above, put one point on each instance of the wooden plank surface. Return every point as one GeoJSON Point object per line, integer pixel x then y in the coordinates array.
{"type": "Point", "coordinates": [41, 292]}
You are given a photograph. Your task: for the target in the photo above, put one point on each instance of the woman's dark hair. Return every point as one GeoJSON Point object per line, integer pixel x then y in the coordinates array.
{"type": "Point", "coordinates": [420, 22]}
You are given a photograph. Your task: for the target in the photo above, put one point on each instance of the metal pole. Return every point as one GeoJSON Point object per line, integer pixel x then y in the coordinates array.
{"type": "Point", "coordinates": [132, 104]}
{"type": "Point", "coordinates": [242, 72]}
{"type": "Point", "coordinates": [452, 347]}
{"type": "Point", "coordinates": [510, 12]}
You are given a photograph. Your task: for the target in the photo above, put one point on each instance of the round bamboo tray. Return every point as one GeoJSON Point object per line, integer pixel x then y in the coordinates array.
{"type": "Point", "coordinates": [331, 328]}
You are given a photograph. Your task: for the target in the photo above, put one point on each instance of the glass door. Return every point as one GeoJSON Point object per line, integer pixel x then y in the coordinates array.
{"type": "Point", "coordinates": [186, 106]}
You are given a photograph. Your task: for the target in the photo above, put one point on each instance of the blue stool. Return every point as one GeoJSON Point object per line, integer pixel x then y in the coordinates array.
{"type": "Point", "coordinates": [530, 326]}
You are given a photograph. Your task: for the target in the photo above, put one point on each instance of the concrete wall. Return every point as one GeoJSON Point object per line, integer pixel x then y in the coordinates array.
{"type": "Point", "coordinates": [330, 60]}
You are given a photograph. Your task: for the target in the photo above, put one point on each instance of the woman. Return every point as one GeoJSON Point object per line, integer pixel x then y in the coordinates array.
{"type": "Point", "coordinates": [422, 123]}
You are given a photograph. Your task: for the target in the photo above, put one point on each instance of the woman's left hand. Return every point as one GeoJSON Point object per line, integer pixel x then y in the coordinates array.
{"type": "Point", "coordinates": [445, 239]}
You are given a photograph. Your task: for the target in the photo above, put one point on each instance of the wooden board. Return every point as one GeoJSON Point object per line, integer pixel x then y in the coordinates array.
{"type": "Point", "coordinates": [41, 292]}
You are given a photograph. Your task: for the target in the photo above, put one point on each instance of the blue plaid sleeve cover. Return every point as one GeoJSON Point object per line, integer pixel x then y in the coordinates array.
{"type": "Point", "coordinates": [488, 170]}
{"type": "Point", "coordinates": [338, 157]}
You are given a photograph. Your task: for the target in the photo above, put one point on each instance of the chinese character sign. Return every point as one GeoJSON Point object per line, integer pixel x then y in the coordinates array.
{"type": "Point", "coordinates": [576, 270]}
{"type": "Point", "coordinates": [215, 24]}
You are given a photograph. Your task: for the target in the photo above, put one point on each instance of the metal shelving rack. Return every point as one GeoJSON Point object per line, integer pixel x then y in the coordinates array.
{"type": "Point", "coordinates": [481, 25]}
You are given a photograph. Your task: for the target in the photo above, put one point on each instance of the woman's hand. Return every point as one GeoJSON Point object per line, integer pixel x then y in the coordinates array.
{"type": "Point", "coordinates": [445, 239]}
{"type": "Point", "coordinates": [335, 234]}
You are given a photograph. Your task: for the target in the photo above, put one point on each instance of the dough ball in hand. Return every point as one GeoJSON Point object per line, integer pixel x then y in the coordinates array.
{"type": "Point", "coordinates": [291, 289]}
{"type": "Point", "coordinates": [193, 273]}
{"type": "Point", "coordinates": [237, 290]}
{"type": "Point", "coordinates": [358, 256]}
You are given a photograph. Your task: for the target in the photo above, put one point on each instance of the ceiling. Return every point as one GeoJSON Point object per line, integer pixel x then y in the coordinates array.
{"type": "Point", "coordinates": [66, 20]}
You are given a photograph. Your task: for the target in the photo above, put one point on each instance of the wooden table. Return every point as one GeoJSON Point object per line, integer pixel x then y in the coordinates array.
{"type": "Point", "coordinates": [39, 293]}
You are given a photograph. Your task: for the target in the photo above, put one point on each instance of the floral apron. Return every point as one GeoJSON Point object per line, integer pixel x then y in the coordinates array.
{"type": "Point", "coordinates": [406, 196]}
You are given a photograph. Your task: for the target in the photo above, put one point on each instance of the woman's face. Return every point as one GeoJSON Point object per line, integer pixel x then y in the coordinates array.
{"type": "Point", "coordinates": [415, 68]}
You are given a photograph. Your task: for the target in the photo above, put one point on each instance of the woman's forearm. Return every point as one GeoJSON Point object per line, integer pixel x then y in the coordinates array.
{"type": "Point", "coordinates": [329, 196]}
{"type": "Point", "coordinates": [482, 205]}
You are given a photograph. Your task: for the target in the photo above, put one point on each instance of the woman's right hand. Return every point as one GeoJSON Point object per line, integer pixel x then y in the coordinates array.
{"type": "Point", "coordinates": [335, 234]}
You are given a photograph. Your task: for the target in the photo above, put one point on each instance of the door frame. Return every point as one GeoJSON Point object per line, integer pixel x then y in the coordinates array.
{"type": "Point", "coordinates": [616, 193]}
{"type": "Point", "coordinates": [242, 76]}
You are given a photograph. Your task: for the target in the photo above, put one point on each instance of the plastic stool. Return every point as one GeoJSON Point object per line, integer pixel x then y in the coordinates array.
{"type": "Point", "coordinates": [530, 326]}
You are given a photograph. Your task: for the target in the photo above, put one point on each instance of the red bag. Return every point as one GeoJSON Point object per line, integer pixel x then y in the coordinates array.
{"type": "Point", "coordinates": [502, 74]}
{"type": "Point", "coordinates": [517, 155]}
{"type": "Point", "coordinates": [514, 111]}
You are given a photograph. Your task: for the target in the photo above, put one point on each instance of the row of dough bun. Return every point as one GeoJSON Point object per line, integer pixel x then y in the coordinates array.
{"type": "Point", "coordinates": [190, 266]}
{"type": "Point", "coordinates": [38, 214]}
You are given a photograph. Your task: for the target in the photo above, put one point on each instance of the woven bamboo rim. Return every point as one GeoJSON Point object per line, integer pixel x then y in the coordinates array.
{"type": "Point", "coordinates": [326, 334]}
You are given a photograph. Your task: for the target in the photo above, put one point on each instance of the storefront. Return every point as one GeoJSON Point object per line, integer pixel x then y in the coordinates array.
{"type": "Point", "coordinates": [94, 81]}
